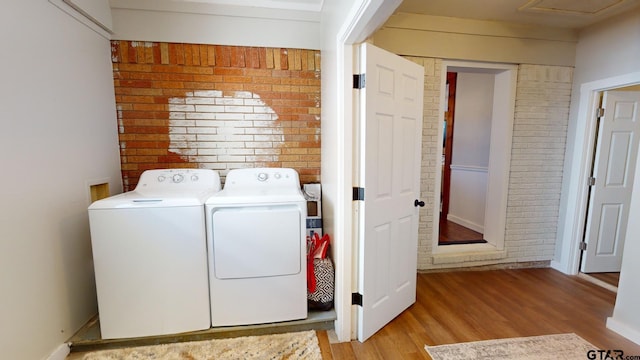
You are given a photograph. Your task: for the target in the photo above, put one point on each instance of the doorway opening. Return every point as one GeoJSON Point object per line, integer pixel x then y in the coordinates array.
{"type": "Point", "coordinates": [579, 170]}
{"type": "Point", "coordinates": [465, 154]}
{"type": "Point", "coordinates": [476, 134]}
{"type": "Point", "coordinates": [612, 168]}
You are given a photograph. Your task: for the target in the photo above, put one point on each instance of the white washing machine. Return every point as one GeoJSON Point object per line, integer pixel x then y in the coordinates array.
{"type": "Point", "coordinates": [257, 248]}
{"type": "Point", "coordinates": [150, 257]}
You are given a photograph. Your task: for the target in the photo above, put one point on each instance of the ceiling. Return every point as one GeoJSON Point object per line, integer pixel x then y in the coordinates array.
{"type": "Point", "coordinates": [573, 14]}
{"type": "Point", "coordinates": [301, 5]}
{"type": "Point", "coordinates": [570, 14]}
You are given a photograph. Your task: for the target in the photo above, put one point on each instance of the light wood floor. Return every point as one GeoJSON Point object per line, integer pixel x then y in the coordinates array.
{"type": "Point", "coordinates": [481, 305]}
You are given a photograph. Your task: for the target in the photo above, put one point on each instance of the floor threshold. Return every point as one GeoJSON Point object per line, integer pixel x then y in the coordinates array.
{"type": "Point", "coordinates": [88, 338]}
{"type": "Point", "coordinates": [596, 281]}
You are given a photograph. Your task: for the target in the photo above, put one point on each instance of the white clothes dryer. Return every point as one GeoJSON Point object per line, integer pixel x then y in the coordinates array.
{"type": "Point", "coordinates": [150, 257]}
{"type": "Point", "coordinates": [257, 248]}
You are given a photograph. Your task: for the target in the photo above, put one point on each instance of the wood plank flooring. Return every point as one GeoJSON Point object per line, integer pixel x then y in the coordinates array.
{"type": "Point", "coordinates": [452, 233]}
{"type": "Point", "coordinates": [481, 305]}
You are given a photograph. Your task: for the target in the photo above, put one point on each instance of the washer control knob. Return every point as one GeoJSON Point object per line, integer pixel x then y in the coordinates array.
{"type": "Point", "coordinates": [277, 175]}
{"type": "Point", "coordinates": [263, 176]}
{"type": "Point", "coordinates": [177, 178]}
{"type": "Point", "coordinates": [161, 178]}
{"type": "Point", "coordinates": [194, 177]}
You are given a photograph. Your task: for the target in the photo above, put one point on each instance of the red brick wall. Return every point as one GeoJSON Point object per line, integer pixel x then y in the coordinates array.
{"type": "Point", "coordinates": [216, 107]}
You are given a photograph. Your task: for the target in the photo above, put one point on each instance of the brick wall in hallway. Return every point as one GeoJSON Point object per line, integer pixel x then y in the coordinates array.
{"type": "Point", "coordinates": [543, 95]}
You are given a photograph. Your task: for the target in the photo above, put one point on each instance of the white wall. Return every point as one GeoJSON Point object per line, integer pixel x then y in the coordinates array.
{"type": "Point", "coordinates": [470, 153]}
{"type": "Point", "coordinates": [472, 126]}
{"type": "Point", "coordinates": [201, 23]}
{"type": "Point", "coordinates": [607, 53]}
{"type": "Point", "coordinates": [59, 132]}
{"type": "Point", "coordinates": [468, 197]}
{"type": "Point", "coordinates": [335, 166]}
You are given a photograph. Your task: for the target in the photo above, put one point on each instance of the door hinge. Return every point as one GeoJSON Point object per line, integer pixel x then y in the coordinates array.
{"type": "Point", "coordinates": [583, 245]}
{"type": "Point", "coordinates": [358, 194]}
{"type": "Point", "coordinates": [356, 299]}
{"type": "Point", "coordinates": [600, 113]}
{"type": "Point", "coordinates": [592, 181]}
{"type": "Point", "coordinates": [358, 81]}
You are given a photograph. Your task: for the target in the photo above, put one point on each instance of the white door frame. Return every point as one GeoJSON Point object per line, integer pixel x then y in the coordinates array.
{"type": "Point", "coordinates": [571, 234]}
{"type": "Point", "coordinates": [363, 19]}
{"type": "Point", "coordinates": [499, 157]}
{"type": "Point", "coordinates": [610, 196]}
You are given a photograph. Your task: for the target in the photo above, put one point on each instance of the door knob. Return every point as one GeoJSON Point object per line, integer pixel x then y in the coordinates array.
{"type": "Point", "coordinates": [418, 203]}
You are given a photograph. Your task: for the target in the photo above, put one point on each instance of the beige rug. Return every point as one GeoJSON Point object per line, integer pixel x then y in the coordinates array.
{"type": "Point", "coordinates": [546, 347]}
{"type": "Point", "coordinates": [300, 345]}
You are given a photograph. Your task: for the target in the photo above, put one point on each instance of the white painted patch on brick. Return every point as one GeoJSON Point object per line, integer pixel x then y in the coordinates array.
{"type": "Point", "coordinates": [176, 100]}
{"type": "Point", "coordinates": [223, 132]}
{"type": "Point", "coordinates": [114, 57]}
{"type": "Point", "coordinates": [120, 121]}
{"type": "Point", "coordinates": [145, 44]}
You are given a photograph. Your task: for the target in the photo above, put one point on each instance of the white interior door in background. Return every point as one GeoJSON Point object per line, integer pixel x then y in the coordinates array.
{"type": "Point", "coordinates": [390, 133]}
{"type": "Point", "coordinates": [614, 167]}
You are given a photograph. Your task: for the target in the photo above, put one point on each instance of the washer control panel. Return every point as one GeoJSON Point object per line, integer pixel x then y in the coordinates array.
{"type": "Point", "coordinates": [178, 179]}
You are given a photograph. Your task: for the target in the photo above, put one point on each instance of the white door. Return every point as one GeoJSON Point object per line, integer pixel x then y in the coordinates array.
{"type": "Point", "coordinates": [614, 165]}
{"type": "Point", "coordinates": [390, 146]}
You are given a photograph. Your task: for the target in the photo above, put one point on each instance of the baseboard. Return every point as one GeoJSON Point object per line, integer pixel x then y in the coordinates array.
{"type": "Point", "coordinates": [624, 330]}
{"type": "Point", "coordinates": [60, 353]}
{"type": "Point", "coordinates": [499, 266]}
{"type": "Point", "coordinates": [466, 223]}
{"type": "Point", "coordinates": [556, 265]}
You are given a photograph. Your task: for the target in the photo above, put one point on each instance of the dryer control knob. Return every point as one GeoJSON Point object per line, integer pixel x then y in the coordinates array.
{"type": "Point", "coordinates": [161, 178]}
{"type": "Point", "coordinates": [263, 176]}
{"type": "Point", "coordinates": [177, 178]}
{"type": "Point", "coordinates": [194, 177]}
{"type": "Point", "coordinates": [277, 175]}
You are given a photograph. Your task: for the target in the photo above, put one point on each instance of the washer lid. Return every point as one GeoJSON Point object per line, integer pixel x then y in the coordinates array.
{"type": "Point", "coordinates": [166, 188]}
{"type": "Point", "coordinates": [134, 199]}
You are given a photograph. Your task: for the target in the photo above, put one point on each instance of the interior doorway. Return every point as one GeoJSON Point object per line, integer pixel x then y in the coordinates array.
{"type": "Point", "coordinates": [614, 156]}
{"type": "Point", "coordinates": [484, 164]}
{"type": "Point", "coordinates": [579, 169]}
{"type": "Point", "coordinates": [462, 225]}
{"type": "Point", "coordinates": [465, 156]}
